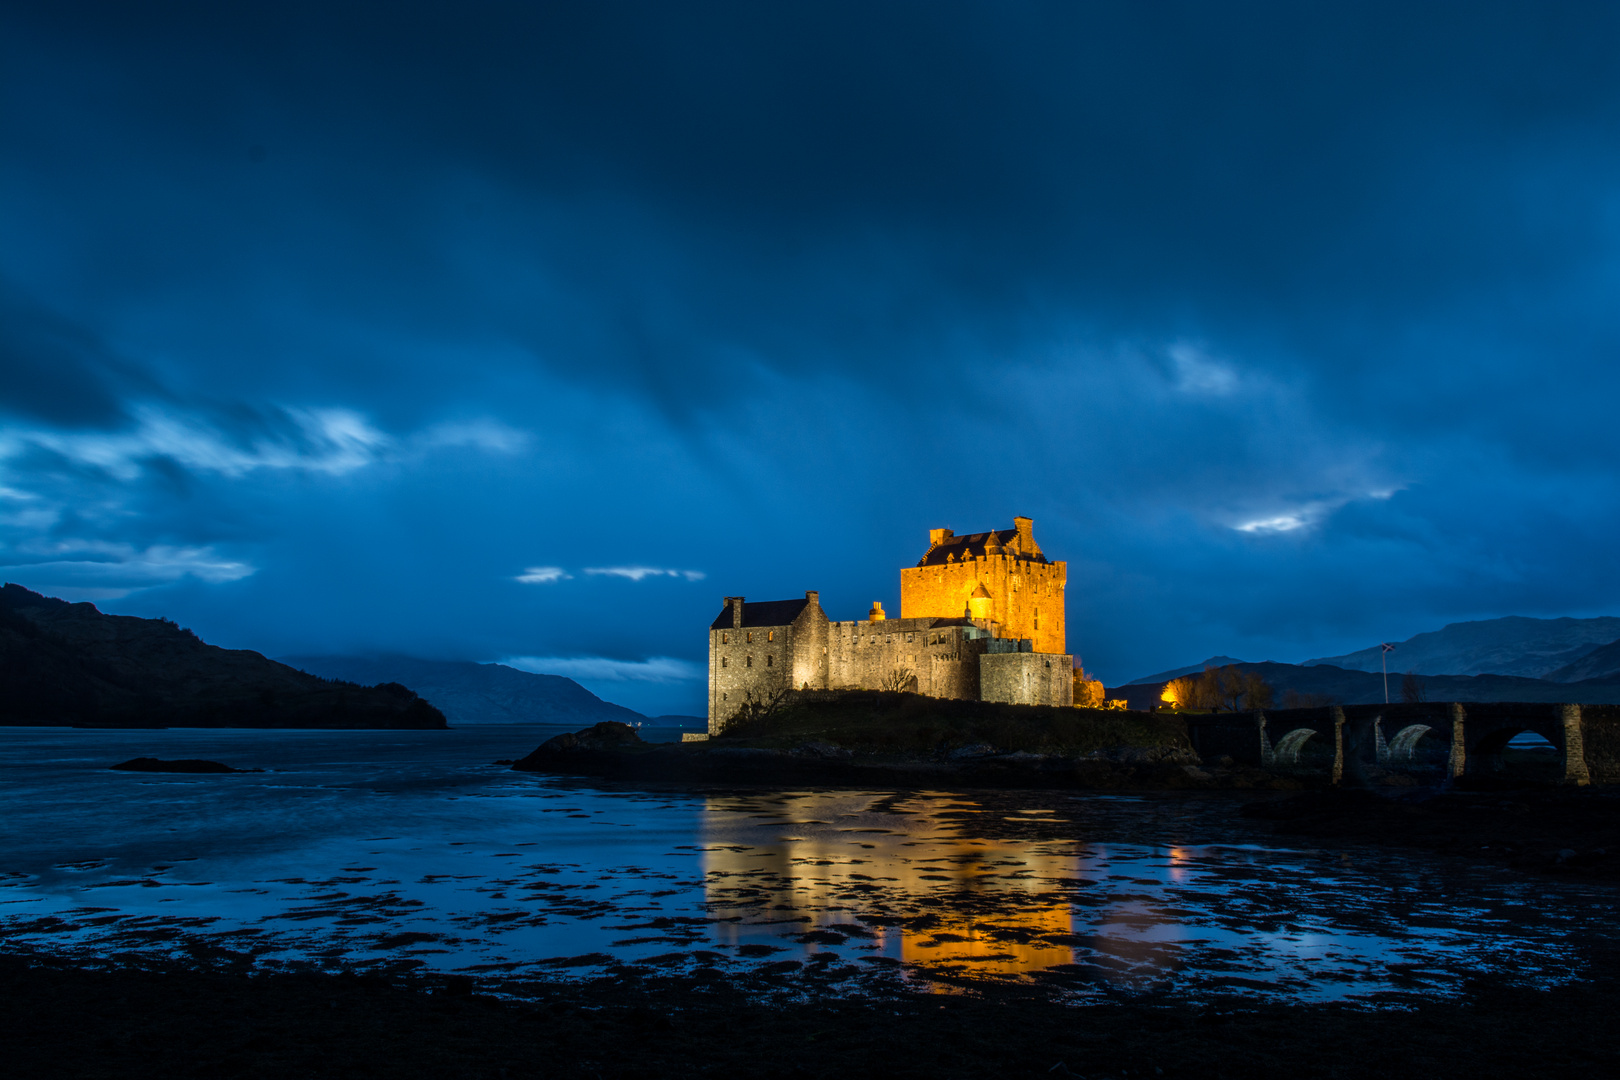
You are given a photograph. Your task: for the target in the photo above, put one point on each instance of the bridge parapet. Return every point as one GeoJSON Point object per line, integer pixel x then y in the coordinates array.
{"type": "Point", "coordinates": [1365, 739]}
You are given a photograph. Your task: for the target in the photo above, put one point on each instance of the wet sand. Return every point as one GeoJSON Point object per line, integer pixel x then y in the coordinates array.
{"type": "Point", "coordinates": [1543, 830]}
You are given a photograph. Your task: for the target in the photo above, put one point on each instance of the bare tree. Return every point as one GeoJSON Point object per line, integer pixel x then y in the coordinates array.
{"type": "Point", "coordinates": [1215, 688]}
{"type": "Point", "coordinates": [756, 707]}
{"type": "Point", "coordinates": [1412, 688]}
{"type": "Point", "coordinates": [1257, 693]}
{"type": "Point", "coordinates": [900, 679]}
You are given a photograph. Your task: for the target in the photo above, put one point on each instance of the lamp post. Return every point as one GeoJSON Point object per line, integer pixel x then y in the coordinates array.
{"type": "Point", "coordinates": [1383, 659]}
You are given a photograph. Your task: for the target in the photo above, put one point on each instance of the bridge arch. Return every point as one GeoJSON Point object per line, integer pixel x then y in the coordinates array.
{"type": "Point", "coordinates": [1403, 747]}
{"type": "Point", "coordinates": [1489, 730]}
{"type": "Point", "coordinates": [1289, 746]}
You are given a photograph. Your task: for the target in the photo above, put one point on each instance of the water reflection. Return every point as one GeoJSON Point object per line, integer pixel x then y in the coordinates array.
{"type": "Point", "coordinates": [386, 851]}
{"type": "Point", "coordinates": [918, 882]}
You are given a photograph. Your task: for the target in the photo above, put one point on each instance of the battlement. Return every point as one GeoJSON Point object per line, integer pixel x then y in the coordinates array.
{"type": "Point", "coordinates": [981, 618]}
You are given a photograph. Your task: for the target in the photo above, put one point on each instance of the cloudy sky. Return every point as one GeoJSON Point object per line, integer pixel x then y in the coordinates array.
{"type": "Point", "coordinates": [512, 330]}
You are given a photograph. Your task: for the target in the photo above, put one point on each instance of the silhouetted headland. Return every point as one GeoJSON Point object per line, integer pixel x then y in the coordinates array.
{"type": "Point", "coordinates": [72, 665]}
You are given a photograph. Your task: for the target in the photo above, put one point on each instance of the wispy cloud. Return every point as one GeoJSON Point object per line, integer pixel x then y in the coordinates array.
{"type": "Point", "coordinates": [491, 436]}
{"type": "Point", "coordinates": [332, 441]}
{"type": "Point", "coordinates": [96, 570]}
{"type": "Point", "coordinates": [1280, 524]}
{"type": "Point", "coordinates": [544, 575]}
{"type": "Point", "coordinates": [1199, 373]}
{"type": "Point", "coordinates": [655, 669]}
{"type": "Point", "coordinates": [641, 573]}
{"type": "Point", "coordinates": [318, 440]}
{"type": "Point", "coordinates": [1305, 514]}
{"type": "Point", "coordinates": [106, 489]}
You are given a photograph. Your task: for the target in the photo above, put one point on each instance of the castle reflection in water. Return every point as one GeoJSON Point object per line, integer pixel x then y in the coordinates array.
{"type": "Point", "coordinates": [938, 880]}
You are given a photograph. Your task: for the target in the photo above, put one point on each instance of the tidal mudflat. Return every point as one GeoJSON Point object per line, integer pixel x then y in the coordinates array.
{"type": "Point", "coordinates": [396, 853]}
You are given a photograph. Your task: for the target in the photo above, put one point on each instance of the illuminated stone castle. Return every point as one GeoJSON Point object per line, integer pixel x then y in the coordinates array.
{"type": "Point", "coordinates": [981, 618]}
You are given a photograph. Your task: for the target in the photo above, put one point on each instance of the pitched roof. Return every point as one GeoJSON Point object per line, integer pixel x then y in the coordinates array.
{"type": "Point", "coordinates": [957, 548]}
{"type": "Point", "coordinates": [762, 613]}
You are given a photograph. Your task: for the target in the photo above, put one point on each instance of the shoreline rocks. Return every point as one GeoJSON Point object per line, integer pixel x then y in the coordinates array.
{"type": "Point", "coordinates": [182, 765]}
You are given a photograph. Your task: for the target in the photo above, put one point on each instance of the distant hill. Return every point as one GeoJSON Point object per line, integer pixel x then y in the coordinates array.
{"type": "Point", "coordinates": [70, 664]}
{"type": "Point", "coordinates": [1532, 648]}
{"type": "Point", "coordinates": [1192, 669]}
{"type": "Point", "coordinates": [1342, 687]}
{"type": "Point", "coordinates": [470, 693]}
{"type": "Point", "coordinates": [1601, 663]}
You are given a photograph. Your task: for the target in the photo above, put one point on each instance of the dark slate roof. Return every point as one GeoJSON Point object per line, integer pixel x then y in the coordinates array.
{"type": "Point", "coordinates": [762, 613]}
{"type": "Point", "coordinates": [970, 545]}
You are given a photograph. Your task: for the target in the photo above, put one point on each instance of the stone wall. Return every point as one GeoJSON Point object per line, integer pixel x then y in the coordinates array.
{"type": "Point", "coordinates": [1027, 678]}
{"type": "Point", "coordinates": [942, 660]}
{"type": "Point", "coordinates": [1027, 593]}
{"type": "Point", "coordinates": [755, 663]}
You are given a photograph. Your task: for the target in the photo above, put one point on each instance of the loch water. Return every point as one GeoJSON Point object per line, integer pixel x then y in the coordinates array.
{"type": "Point", "coordinates": [411, 849]}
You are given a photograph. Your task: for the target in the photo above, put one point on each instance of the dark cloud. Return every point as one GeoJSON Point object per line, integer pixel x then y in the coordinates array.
{"type": "Point", "coordinates": [1291, 326]}
{"type": "Point", "coordinates": [53, 370]}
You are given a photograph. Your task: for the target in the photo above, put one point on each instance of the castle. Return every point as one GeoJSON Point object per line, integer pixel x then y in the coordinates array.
{"type": "Point", "coordinates": [981, 618]}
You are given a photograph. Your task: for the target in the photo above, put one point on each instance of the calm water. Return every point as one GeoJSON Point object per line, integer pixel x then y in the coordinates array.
{"type": "Point", "coordinates": [400, 849]}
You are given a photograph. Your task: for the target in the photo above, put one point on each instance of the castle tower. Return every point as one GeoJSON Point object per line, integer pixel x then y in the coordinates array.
{"type": "Point", "coordinates": [1021, 590]}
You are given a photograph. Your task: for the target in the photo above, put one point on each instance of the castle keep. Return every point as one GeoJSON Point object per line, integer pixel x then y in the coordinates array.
{"type": "Point", "coordinates": [981, 618]}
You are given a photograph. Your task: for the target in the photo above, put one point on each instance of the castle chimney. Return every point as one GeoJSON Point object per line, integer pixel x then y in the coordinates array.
{"type": "Point", "coordinates": [814, 597]}
{"type": "Point", "coordinates": [1025, 527]}
{"type": "Point", "coordinates": [876, 614]}
{"type": "Point", "coordinates": [735, 603]}
{"type": "Point", "coordinates": [938, 536]}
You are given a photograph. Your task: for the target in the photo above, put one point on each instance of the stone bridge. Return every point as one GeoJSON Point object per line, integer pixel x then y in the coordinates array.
{"type": "Point", "coordinates": [1389, 738]}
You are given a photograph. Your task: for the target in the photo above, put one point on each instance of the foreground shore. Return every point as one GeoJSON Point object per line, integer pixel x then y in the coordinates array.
{"type": "Point", "coordinates": [60, 1021]}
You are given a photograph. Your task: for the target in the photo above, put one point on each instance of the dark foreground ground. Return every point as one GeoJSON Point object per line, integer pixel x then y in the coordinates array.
{"type": "Point", "coordinates": [58, 1021]}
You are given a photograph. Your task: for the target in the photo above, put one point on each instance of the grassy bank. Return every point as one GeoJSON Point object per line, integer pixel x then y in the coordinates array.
{"type": "Point", "coordinates": [890, 723]}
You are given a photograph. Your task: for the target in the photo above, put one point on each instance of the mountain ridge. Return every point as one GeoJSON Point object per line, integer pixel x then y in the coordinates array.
{"type": "Point", "coordinates": [1342, 686]}
{"type": "Point", "coordinates": [1511, 645]}
{"type": "Point", "coordinates": [1602, 662]}
{"type": "Point", "coordinates": [468, 692]}
{"type": "Point", "coordinates": [65, 664]}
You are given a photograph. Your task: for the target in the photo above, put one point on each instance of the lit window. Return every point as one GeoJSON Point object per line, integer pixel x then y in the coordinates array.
{"type": "Point", "coordinates": [725, 639]}
{"type": "Point", "coordinates": [770, 635]}
{"type": "Point", "coordinates": [750, 637]}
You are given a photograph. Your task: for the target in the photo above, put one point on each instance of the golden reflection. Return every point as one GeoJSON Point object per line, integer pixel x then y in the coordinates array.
{"type": "Point", "coordinates": [896, 881]}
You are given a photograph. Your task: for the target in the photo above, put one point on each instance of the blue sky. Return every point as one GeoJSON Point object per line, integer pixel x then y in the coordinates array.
{"type": "Point", "coordinates": [500, 330]}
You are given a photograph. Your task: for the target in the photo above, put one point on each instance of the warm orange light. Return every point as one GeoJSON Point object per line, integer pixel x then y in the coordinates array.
{"type": "Point", "coordinates": [1169, 695]}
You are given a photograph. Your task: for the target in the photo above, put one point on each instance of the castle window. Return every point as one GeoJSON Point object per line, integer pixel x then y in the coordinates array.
{"type": "Point", "coordinates": [768, 660]}
{"type": "Point", "coordinates": [750, 637]}
{"type": "Point", "coordinates": [722, 661]}
{"type": "Point", "coordinates": [750, 661]}
{"type": "Point", "coordinates": [1037, 618]}
{"type": "Point", "coordinates": [725, 639]}
{"type": "Point", "coordinates": [770, 635]}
